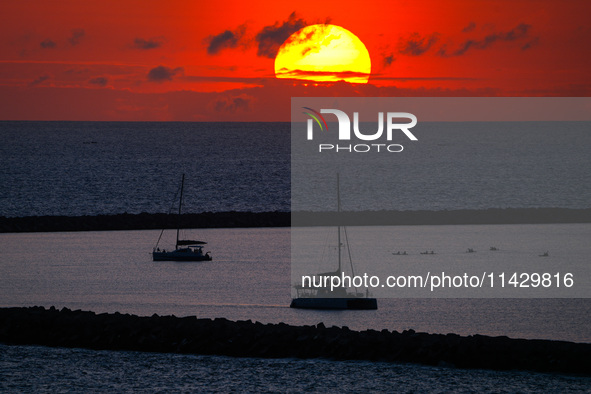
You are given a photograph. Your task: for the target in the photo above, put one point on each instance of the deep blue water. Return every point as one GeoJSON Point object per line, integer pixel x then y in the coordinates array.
{"type": "Point", "coordinates": [90, 168]}
{"type": "Point", "coordinates": [41, 370]}
{"type": "Point", "coordinates": [453, 165]}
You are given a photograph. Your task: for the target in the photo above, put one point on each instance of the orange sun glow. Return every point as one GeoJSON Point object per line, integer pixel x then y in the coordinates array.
{"type": "Point", "coordinates": [323, 53]}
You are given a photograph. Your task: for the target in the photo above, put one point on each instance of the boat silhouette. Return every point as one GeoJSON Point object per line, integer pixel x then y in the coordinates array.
{"type": "Point", "coordinates": [185, 249]}
{"type": "Point", "coordinates": [339, 297]}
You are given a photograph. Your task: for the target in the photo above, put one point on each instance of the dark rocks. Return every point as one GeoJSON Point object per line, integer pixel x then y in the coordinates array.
{"type": "Point", "coordinates": [145, 221]}
{"type": "Point", "coordinates": [66, 328]}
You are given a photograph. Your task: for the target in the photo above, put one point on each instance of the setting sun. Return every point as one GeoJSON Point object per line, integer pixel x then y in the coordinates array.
{"type": "Point", "coordinates": [323, 53]}
{"type": "Point", "coordinates": [244, 61]}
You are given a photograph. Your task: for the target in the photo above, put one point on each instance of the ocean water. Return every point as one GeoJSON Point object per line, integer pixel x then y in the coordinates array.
{"type": "Point", "coordinates": [453, 165]}
{"type": "Point", "coordinates": [49, 370]}
{"type": "Point", "coordinates": [249, 278]}
{"type": "Point", "coordinates": [91, 168]}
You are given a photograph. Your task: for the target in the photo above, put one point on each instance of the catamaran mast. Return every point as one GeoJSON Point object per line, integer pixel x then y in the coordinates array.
{"type": "Point", "coordinates": [338, 218]}
{"type": "Point", "coordinates": [180, 205]}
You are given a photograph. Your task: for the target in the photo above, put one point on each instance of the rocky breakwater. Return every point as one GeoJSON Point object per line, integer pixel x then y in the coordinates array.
{"type": "Point", "coordinates": [146, 221]}
{"type": "Point", "coordinates": [143, 221]}
{"type": "Point", "coordinates": [66, 328]}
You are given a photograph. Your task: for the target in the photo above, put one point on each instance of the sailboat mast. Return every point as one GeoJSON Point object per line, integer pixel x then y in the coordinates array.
{"type": "Point", "coordinates": [180, 205]}
{"type": "Point", "coordinates": [338, 218]}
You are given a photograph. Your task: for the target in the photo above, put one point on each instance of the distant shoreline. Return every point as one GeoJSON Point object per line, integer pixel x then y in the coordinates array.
{"type": "Point", "coordinates": [233, 219]}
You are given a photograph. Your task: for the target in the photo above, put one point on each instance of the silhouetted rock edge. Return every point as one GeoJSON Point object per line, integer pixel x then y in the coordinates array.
{"type": "Point", "coordinates": [143, 221]}
{"type": "Point", "coordinates": [170, 334]}
{"type": "Point", "coordinates": [234, 219]}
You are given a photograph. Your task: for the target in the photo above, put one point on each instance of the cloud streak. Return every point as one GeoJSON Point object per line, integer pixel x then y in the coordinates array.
{"type": "Point", "coordinates": [99, 81]}
{"type": "Point", "coordinates": [387, 60]}
{"type": "Point", "coordinates": [152, 43]}
{"type": "Point", "coordinates": [240, 103]}
{"type": "Point", "coordinates": [531, 43]}
{"type": "Point", "coordinates": [471, 26]}
{"type": "Point", "coordinates": [337, 74]}
{"type": "Point", "coordinates": [163, 73]}
{"type": "Point", "coordinates": [415, 45]}
{"type": "Point", "coordinates": [515, 34]}
{"type": "Point", "coordinates": [77, 35]}
{"type": "Point", "coordinates": [48, 44]}
{"type": "Point", "coordinates": [227, 39]}
{"type": "Point", "coordinates": [39, 80]}
{"type": "Point", "coordinates": [270, 38]}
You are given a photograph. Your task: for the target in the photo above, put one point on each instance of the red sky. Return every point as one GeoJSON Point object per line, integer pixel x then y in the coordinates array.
{"type": "Point", "coordinates": [197, 61]}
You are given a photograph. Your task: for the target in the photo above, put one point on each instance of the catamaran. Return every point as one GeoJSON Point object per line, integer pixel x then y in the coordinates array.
{"type": "Point", "coordinates": [340, 297]}
{"type": "Point", "coordinates": [185, 249]}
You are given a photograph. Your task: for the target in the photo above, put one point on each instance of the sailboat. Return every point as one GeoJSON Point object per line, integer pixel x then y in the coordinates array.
{"type": "Point", "coordinates": [185, 249]}
{"type": "Point", "coordinates": [340, 297]}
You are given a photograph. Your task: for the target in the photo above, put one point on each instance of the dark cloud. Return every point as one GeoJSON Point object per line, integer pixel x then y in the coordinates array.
{"type": "Point", "coordinates": [152, 43]}
{"type": "Point", "coordinates": [77, 35]}
{"type": "Point", "coordinates": [162, 73]}
{"type": "Point", "coordinates": [471, 26]}
{"type": "Point", "coordinates": [100, 81]}
{"type": "Point", "coordinates": [233, 104]}
{"type": "Point", "coordinates": [39, 80]}
{"type": "Point", "coordinates": [516, 33]}
{"type": "Point", "coordinates": [341, 75]}
{"type": "Point", "coordinates": [533, 42]}
{"type": "Point", "coordinates": [519, 32]}
{"type": "Point", "coordinates": [271, 37]}
{"type": "Point", "coordinates": [415, 45]}
{"type": "Point", "coordinates": [227, 39]}
{"type": "Point", "coordinates": [388, 59]}
{"type": "Point", "coordinates": [48, 44]}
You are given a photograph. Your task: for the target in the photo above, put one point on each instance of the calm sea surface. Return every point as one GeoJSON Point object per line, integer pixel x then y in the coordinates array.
{"type": "Point", "coordinates": [90, 168]}
{"type": "Point", "coordinates": [249, 279]}
{"type": "Point", "coordinates": [50, 370]}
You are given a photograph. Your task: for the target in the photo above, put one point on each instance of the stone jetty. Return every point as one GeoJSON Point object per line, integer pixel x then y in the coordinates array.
{"type": "Point", "coordinates": [146, 221]}
{"type": "Point", "coordinates": [170, 334]}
